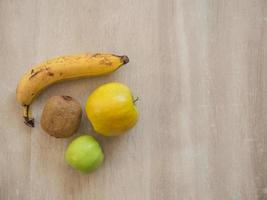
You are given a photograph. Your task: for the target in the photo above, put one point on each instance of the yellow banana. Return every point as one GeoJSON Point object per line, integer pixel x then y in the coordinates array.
{"type": "Point", "coordinates": [63, 68]}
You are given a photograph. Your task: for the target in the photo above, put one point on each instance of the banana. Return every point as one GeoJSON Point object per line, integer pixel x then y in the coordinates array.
{"type": "Point", "coordinates": [63, 68]}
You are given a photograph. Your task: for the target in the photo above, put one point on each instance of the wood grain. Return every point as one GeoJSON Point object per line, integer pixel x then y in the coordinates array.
{"type": "Point", "coordinates": [200, 71]}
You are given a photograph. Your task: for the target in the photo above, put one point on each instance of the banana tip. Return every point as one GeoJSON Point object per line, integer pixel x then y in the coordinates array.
{"type": "Point", "coordinates": [125, 59]}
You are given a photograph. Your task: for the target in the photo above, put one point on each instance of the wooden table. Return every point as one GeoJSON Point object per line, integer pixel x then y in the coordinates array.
{"type": "Point", "coordinates": [199, 69]}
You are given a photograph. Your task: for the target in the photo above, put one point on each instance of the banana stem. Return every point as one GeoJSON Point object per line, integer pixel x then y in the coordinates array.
{"type": "Point", "coordinates": [27, 120]}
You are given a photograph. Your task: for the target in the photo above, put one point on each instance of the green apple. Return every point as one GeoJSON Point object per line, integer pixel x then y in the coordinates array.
{"type": "Point", "coordinates": [84, 154]}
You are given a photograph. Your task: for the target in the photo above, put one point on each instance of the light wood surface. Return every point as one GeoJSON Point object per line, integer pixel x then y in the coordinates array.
{"type": "Point", "coordinates": [199, 68]}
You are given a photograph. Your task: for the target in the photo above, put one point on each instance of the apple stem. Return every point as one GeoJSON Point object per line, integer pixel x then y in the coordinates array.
{"type": "Point", "coordinates": [136, 99]}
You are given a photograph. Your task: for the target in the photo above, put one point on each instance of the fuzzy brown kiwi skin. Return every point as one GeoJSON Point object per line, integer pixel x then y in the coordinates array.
{"type": "Point", "coordinates": [61, 116]}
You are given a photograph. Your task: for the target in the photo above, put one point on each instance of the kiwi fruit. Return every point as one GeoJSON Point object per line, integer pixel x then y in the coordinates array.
{"type": "Point", "coordinates": [61, 116]}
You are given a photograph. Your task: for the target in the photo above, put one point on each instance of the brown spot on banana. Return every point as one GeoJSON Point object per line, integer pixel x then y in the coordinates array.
{"type": "Point", "coordinates": [48, 72]}
{"type": "Point", "coordinates": [33, 74]}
